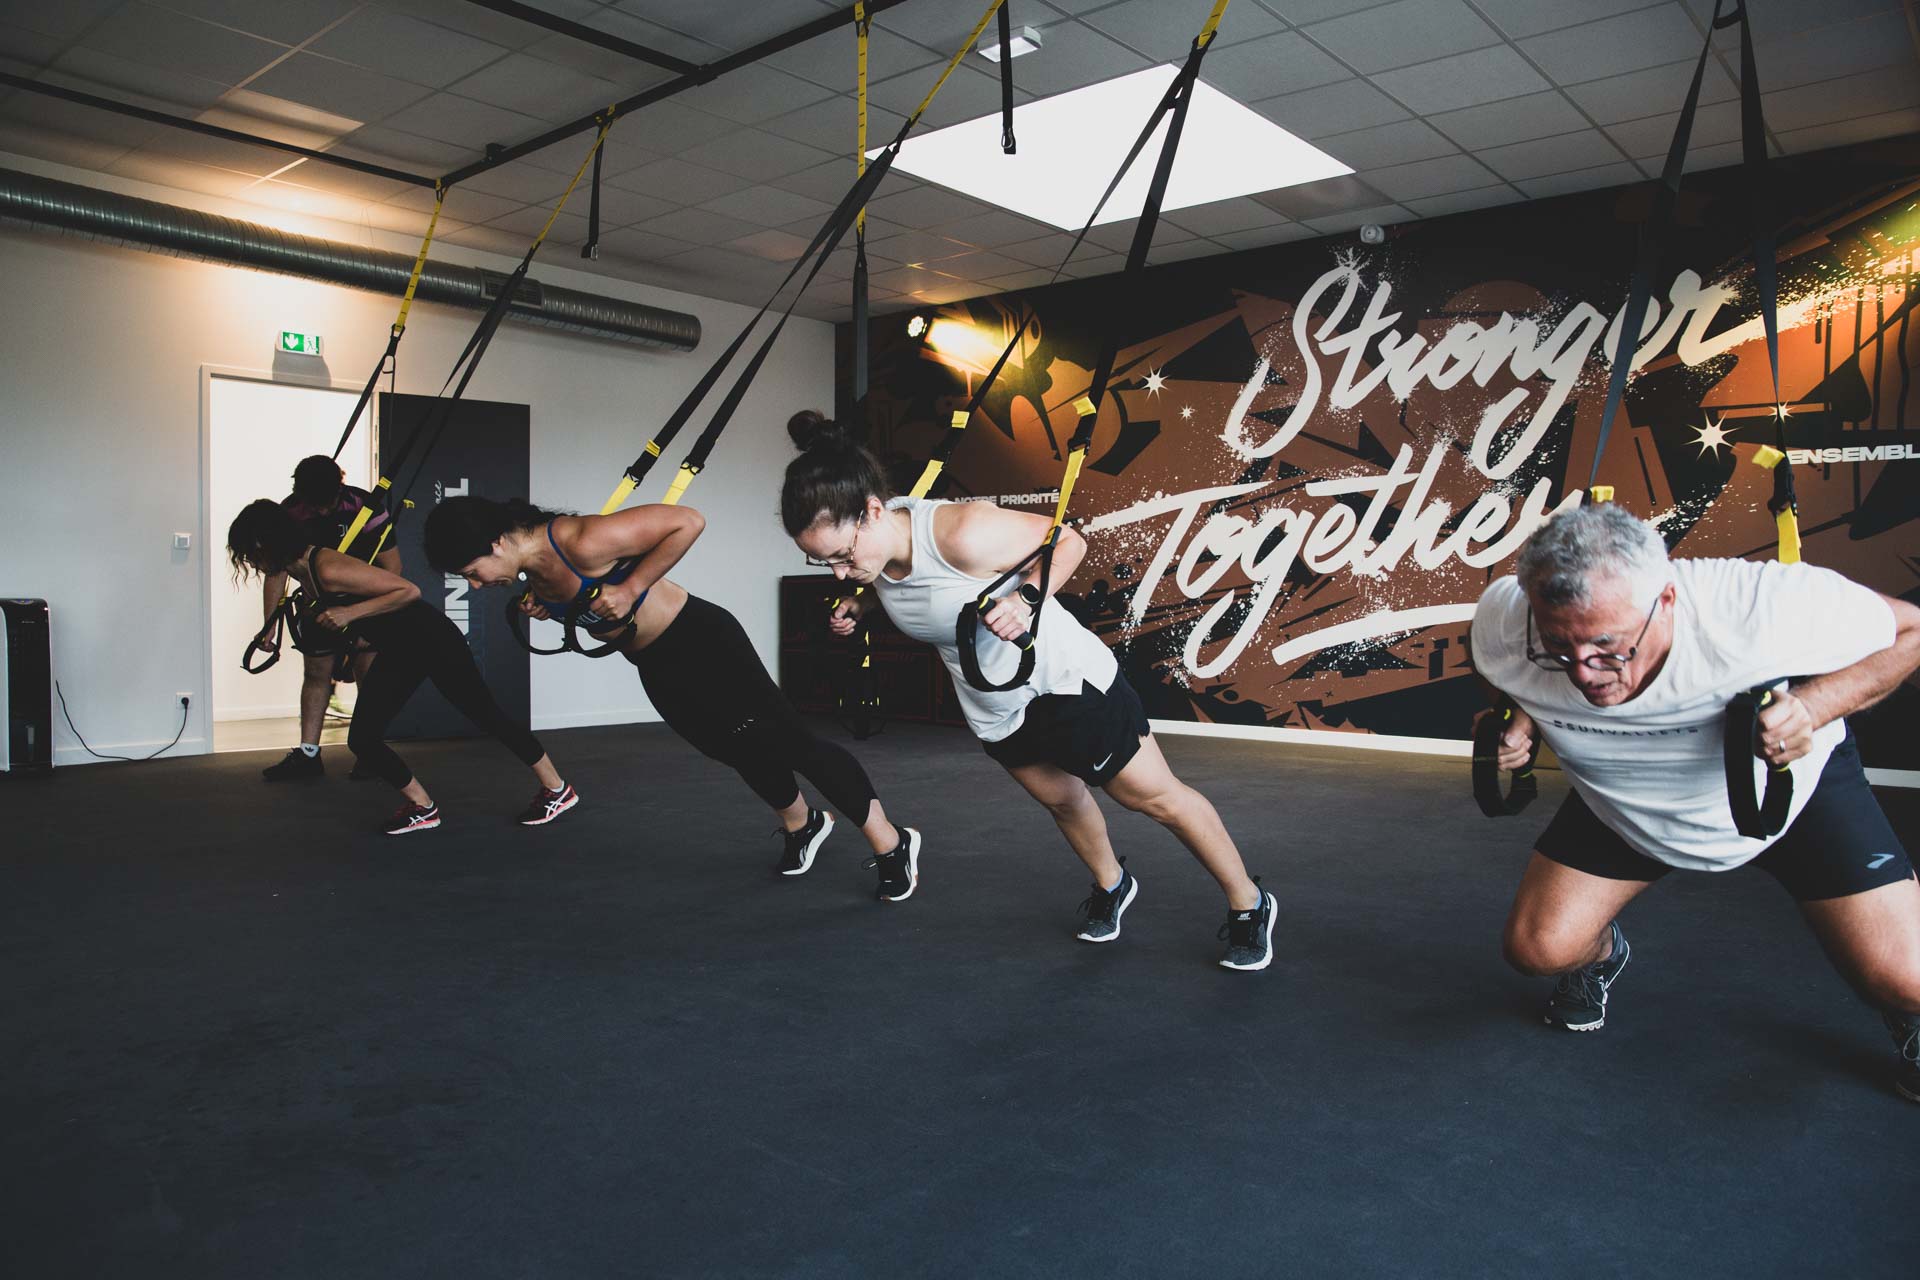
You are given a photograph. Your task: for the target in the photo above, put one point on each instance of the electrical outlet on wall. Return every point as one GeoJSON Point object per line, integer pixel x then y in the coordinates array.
{"type": "Point", "coordinates": [182, 700]}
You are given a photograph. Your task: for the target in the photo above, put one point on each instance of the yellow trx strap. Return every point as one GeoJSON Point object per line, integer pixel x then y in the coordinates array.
{"type": "Point", "coordinates": [960, 54]}
{"type": "Point", "coordinates": [1787, 519]}
{"type": "Point", "coordinates": [420, 262]}
{"type": "Point", "coordinates": [861, 32]}
{"type": "Point", "coordinates": [385, 483]}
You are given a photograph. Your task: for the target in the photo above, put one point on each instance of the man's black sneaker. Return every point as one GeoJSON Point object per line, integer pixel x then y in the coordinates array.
{"type": "Point", "coordinates": [797, 858]}
{"type": "Point", "coordinates": [1906, 1039]}
{"type": "Point", "coordinates": [1104, 907]}
{"type": "Point", "coordinates": [1249, 935]}
{"type": "Point", "coordinates": [294, 766]}
{"type": "Point", "coordinates": [548, 805]}
{"type": "Point", "coordinates": [410, 818]}
{"type": "Point", "coordinates": [899, 870]}
{"type": "Point", "coordinates": [1580, 996]}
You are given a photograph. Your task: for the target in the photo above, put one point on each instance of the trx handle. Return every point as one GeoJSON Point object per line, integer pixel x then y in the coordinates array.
{"type": "Point", "coordinates": [968, 626]}
{"type": "Point", "coordinates": [1755, 817]}
{"type": "Point", "coordinates": [612, 633]}
{"type": "Point", "coordinates": [1487, 793]}
{"type": "Point", "coordinates": [273, 629]}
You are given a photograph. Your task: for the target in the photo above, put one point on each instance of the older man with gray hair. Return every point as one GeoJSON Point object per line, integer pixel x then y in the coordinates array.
{"type": "Point", "coordinates": [1624, 662]}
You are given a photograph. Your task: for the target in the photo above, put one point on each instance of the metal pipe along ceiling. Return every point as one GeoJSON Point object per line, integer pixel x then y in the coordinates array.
{"type": "Point", "coordinates": [106, 216]}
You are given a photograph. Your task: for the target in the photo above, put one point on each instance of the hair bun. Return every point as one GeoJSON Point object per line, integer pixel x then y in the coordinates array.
{"type": "Point", "coordinates": [813, 431]}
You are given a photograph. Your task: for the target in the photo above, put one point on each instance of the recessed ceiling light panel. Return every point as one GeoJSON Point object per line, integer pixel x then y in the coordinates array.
{"type": "Point", "coordinates": [1071, 143]}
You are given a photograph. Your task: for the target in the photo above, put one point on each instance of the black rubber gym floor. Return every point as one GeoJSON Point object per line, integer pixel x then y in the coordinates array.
{"type": "Point", "coordinates": [245, 1037]}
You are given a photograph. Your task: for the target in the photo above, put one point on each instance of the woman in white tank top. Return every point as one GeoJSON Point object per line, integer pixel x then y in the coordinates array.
{"type": "Point", "coordinates": [1073, 722]}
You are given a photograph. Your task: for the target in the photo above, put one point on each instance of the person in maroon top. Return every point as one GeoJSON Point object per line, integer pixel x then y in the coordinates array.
{"type": "Point", "coordinates": [325, 505]}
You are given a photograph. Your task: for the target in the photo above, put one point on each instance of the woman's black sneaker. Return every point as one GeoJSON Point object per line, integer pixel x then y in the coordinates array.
{"type": "Point", "coordinates": [295, 766]}
{"type": "Point", "coordinates": [1104, 907]}
{"type": "Point", "coordinates": [1580, 996]}
{"type": "Point", "coordinates": [1906, 1040]}
{"type": "Point", "coordinates": [1249, 935]}
{"type": "Point", "coordinates": [899, 870]}
{"type": "Point", "coordinates": [797, 858]}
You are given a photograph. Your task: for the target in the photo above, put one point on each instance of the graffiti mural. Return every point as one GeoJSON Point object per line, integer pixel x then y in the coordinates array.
{"type": "Point", "coordinates": [1314, 457]}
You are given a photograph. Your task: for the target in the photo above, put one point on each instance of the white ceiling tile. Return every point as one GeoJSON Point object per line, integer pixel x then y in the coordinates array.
{"type": "Point", "coordinates": [1404, 32]}
{"type": "Point", "coordinates": [730, 26]}
{"type": "Point", "coordinates": [63, 21]}
{"type": "Point", "coordinates": [1266, 237]}
{"type": "Point", "coordinates": [620, 208]}
{"type": "Point", "coordinates": [1319, 199]}
{"type": "Point", "coordinates": [673, 128]}
{"type": "Point", "coordinates": [406, 48]}
{"type": "Point", "coordinates": [771, 245]}
{"type": "Point", "coordinates": [144, 34]}
{"type": "Point", "coordinates": [1613, 46]}
{"type": "Point", "coordinates": [1649, 92]}
{"type": "Point", "coordinates": [967, 94]}
{"type": "Point", "coordinates": [925, 207]}
{"type": "Point", "coordinates": [382, 145]}
{"type": "Point", "coordinates": [698, 225]}
{"type": "Point", "coordinates": [1340, 107]}
{"type": "Point", "coordinates": [829, 125]}
{"type": "Point", "coordinates": [994, 228]}
{"type": "Point", "coordinates": [336, 181]}
{"type": "Point", "coordinates": [980, 264]}
{"type": "Point", "coordinates": [1223, 216]}
{"type": "Point", "coordinates": [518, 180]}
{"type": "Point", "coordinates": [544, 90]}
{"type": "Point", "coordinates": [1045, 251]}
{"type": "Point", "coordinates": [646, 246]}
{"type": "Point", "coordinates": [1086, 265]}
{"type": "Point", "coordinates": [636, 30]}
{"type": "Point", "coordinates": [1464, 201]}
{"type": "Point", "coordinates": [507, 244]}
{"type": "Point", "coordinates": [631, 74]}
{"type": "Point", "coordinates": [827, 181]}
{"type": "Point", "coordinates": [1432, 177]}
{"type": "Point", "coordinates": [1270, 66]}
{"type": "Point", "coordinates": [1522, 18]}
{"type": "Point", "coordinates": [1118, 236]}
{"type": "Point", "coordinates": [450, 118]}
{"type": "Point", "coordinates": [753, 94]}
{"type": "Point", "coordinates": [1773, 19]}
{"type": "Point", "coordinates": [769, 206]}
{"type": "Point", "coordinates": [159, 87]}
{"type": "Point", "coordinates": [1031, 278]}
{"type": "Point", "coordinates": [1867, 94]}
{"type": "Point", "coordinates": [1842, 133]}
{"type": "Point", "coordinates": [756, 154]}
{"type": "Point", "coordinates": [1302, 12]}
{"type": "Point", "coordinates": [1187, 250]}
{"type": "Point", "coordinates": [919, 246]}
{"type": "Point", "coordinates": [463, 205]}
{"type": "Point", "coordinates": [1560, 184]}
{"type": "Point", "coordinates": [338, 87]}
{"type": "Point", "coordinates": [287, 21]}
{"type": "Point", "coordinates": [621, 152]}
{"type": "Point", "coordinates": [1493, 124]}
{"type": "Point", "coordinates": [1385, 215]}
{"type": "Point", "coordinates": [569, 228]}
{"type": "Point", "coordinates": [1387, 144]}
{"type": "Point", "coordinates": [26, 50]}
{"type": "Point", "coordinates": [1712, 124]}
{"type": "Point", "coordinates": [1164, 32]}
{"type": "Point", "coordinates": [1557, 154]}
{"type": "Point", "coordinates": [147, 166]}
{"type": "Point", "coordinates": [1831, 52]}
{"type": "Point", "coordinates": [29, 139]}
{"type": "Point", "coordinates": [829, 59]}
{"type": "Point", "coordinates": [217, 153]}
{"type": "Point", "coordinates": [1463, 80]}
{"type": "Point", "coordinates": [1072, 55]}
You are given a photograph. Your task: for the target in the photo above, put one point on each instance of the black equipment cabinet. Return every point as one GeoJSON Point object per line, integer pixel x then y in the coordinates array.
{"type": "Point", "coordinates": [26, 687]}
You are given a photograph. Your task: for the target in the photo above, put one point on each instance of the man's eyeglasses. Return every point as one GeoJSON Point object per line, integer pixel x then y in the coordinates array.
{"type": "Point", "coordinates": [1593, 661]}
{"type": "Point", "coordinates": [845, 558]}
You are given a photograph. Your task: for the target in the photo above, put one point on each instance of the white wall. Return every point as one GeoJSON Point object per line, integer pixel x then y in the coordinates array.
{"type": "Point", "coordinates": [101, 360]}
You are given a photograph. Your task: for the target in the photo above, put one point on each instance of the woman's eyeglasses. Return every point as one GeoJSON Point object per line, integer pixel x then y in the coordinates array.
{"type": "Point", "coordinates": [844, 559]}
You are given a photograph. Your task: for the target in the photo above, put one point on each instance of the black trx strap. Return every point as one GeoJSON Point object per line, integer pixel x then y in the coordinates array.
{"type": "Point", "coordinates": [1006, 80]}
{"type": "Point", "coordinates": [591, 249]}
{"type": "Point", "coordinates": [267, 641]}
{"type": "Point", "coordinates": [1494, 802]}
{"type": "Point", "coordinates": [1173, 105]}
{"type": "Point", "coordinates": [1754, 817]}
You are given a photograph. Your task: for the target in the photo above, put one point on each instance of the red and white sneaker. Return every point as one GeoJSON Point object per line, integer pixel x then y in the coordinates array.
{"type": "Point", "coordinates": [548, 805]}
{"type": "Point", "coordinates": [413, 817]}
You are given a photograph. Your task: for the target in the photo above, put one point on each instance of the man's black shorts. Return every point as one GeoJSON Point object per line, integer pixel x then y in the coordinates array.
{"type": "Point", "coordinates": [1840, 844]}
{"type": "Point", "coordinates": [1093, 734]}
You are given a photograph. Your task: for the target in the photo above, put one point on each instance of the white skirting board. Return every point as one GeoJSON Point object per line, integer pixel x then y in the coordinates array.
{"type": "Point", "coordinates": [1415, 746]}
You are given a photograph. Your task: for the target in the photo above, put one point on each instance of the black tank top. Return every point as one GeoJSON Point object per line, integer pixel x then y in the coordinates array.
{"type": "Point", "coordinates": [383, 630]}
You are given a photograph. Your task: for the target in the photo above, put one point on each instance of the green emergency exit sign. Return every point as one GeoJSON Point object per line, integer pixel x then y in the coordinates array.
{"type": "Point", "coordinates": [299, 344]}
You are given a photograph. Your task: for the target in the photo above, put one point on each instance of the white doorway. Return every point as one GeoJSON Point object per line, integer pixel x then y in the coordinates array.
{"type": "Point", "coordinates": [256, 432]}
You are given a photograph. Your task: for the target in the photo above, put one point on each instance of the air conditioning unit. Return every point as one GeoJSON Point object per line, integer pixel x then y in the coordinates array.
{"type": "Point", "coordinates": [26, 687]}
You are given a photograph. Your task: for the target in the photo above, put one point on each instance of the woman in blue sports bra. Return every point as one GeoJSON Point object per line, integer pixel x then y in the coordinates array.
{"type": "Point", "coordinates": [696, 664]}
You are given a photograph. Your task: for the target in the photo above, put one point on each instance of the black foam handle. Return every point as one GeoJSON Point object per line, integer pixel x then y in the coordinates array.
{"type": "Point", "coordinates": [1494, 801]}
{"type": "Point", "coordinates": [1754, 816]}
{"type": "Point", "coordinates": [966, 631]}
{"type": "Point", "coordinates": [272, 651]}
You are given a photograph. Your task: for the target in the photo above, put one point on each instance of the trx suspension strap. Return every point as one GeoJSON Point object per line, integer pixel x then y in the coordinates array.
{"type": "Point", "coordinates": [823, 244]}
{"type": "Point", "coordinates": [266, 643]}
{"type": "Point", "coordinates": [1173, 106]}
{"type": "Point", "coordinates": [859, 701]}
{"type": "Point", "coordinates": [1006, 79]}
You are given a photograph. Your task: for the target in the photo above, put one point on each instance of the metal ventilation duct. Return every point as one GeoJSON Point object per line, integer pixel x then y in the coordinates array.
{"type": "Point", "coordinates": [164, 228]}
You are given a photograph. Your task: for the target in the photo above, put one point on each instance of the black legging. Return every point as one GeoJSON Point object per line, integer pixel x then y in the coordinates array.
{"type": "Point", "coordinates": [419, 643]}
{"type": "Point", "coordinates": [709, 686]}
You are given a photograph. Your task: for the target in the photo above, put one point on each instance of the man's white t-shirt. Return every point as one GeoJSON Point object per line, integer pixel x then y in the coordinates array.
{"type": "Point", "coordinates": [1652, 768]}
